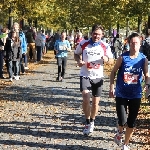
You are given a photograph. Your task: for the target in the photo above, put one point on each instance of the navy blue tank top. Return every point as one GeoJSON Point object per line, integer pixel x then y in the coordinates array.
{"type": "Point", "coordinates": [129, 77]}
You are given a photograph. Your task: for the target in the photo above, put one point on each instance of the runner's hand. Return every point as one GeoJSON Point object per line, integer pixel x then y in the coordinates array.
{"type": "Point", "coordinates": [105, 58]}
{"type": "Point", "coordinates": [146, 87]}
{"type": "Point", "coordinates": [111, 93]}
{"type": "Point", "coordinates": [56, 51]}
{"type": "Point", "coordinates": [81, 63]}
{"type": "Point", "coordinates": [65, 47]}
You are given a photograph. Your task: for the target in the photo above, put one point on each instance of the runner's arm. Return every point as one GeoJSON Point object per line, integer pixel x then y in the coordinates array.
{"type": "Point", "coordinates": [113, 72]}
{"type": "Point", "coordinates": [55, 47]}
{"type": "Point", "coordinates": [77, 53]}
{"type": "Point", "coordinates": [145, 71]}
{"type": "Point", "coordinates": [68, 46]}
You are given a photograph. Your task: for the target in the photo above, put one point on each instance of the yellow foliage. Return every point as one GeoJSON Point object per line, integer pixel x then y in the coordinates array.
{"type": "Point", "coordinates": [75, 12]}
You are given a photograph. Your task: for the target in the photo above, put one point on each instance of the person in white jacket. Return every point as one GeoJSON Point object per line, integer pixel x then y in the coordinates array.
{"type": "Point", "coordinates": [38, 43]}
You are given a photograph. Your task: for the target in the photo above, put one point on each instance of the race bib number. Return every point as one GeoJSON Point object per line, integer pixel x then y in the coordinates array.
{"type": "Point", "coordinates": [93, 74]}
{"type": "Point", "coordinates": [131, 78]}
{"type": "Point", "coordinates": [93, 65]}
{"type": "Point", "coordinates": [62, 47]}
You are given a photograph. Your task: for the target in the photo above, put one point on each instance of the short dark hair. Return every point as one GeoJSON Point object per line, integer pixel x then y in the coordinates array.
{"type": "Point", "coordinates": [134, 34]}
{"type": "Point", "coordinates": [96, 27]}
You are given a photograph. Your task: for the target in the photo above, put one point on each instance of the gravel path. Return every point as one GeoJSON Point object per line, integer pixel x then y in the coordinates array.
{"type": "Point", "coordinates": [38, 113]}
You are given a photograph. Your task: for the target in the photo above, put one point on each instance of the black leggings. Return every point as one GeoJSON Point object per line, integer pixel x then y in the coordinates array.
{"type": "Point", "coordinates": [62, 63]}
{"type": "Point", "coordinates": [133, 108]}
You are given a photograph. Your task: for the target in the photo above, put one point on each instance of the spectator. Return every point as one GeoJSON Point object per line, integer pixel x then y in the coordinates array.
{"type": "Point", "coordinates": [21, 35]}
{"type": "Point", "coordinates": [47, 40]}
{"type": "Point", "coordinates": [51, 43]}
{"type": "Point", "coordinates": [13, 54]}
{"type": "Point", "coordinates": [71, 39]}
{"type": "Point", "coordinates": [118, 46]}
{"type": "Point", "coordinates": [30, 35]}
{"type": "Point", "coordinates": [38, 43]}
{"type": "Point", "coordinates": [1, 59]}
{"type": "Point", "coordinates": [4, 34]}
{"type": "Point", "coordinates": [145, 47]}
{"type": "Point", "coordinates": [43, 42]}
{"type": "Point", "coordinates": [126, 45]}
{"type": "Point", "coordinates": [78, 39]}
{"type": "Point", "coordinates": [56, 37]}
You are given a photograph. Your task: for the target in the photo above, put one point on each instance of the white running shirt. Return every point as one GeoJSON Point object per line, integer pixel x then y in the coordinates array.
{"type": "Point", "coordinates": [91, 55]}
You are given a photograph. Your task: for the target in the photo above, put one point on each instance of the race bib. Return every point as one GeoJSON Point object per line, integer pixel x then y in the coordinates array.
{"type": "Point", "coordinates": [62, 47]}
{"type": "Point", "coordinates": [93, 74]}
{"type": "Point", "coordinates": [130, 78]}
{"type": "Point", "coordinates": [93, 65]}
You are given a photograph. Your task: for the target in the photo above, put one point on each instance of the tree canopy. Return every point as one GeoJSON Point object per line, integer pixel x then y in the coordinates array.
{"type": "Point", "coordinates": [69, 14]}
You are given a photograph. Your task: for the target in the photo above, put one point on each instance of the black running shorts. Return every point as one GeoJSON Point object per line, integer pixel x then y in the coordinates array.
{"type": "Point", "coordinates": [95, 85]}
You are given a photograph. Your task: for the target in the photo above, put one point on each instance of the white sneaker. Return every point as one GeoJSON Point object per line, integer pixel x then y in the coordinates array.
{"type": "Point", "coordinates": [88, 128]}
{"type": "Point", "coordinates": [17, 77]}
{"type": "Point", "coordinates": [10, 79]}
{"type": "Point", "coordinates": [26, 68]}
{"type": "Point", "coordinates": [118, 138]}
{"type": "Point", "coordinates": [91, 127]}
{"type": "Point", "coordinates": [125, 147]}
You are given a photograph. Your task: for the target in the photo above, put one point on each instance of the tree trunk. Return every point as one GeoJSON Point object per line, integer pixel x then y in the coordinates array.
{"type": "Point", "coordinates": [118, 26]}
{"type": "Point", "coordinates": [127, 28]}
{"type": "Point", "coordinates": [139, 24]}
{"type": "Point", "coordinates": [10, 22]}
{"type": "Point", "coordinates": [110, 31]}
{"type": "Point", "coordinates": [149, 21]}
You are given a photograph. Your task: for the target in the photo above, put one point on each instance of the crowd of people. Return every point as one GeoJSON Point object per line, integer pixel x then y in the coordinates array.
{"type": "Point", "coordinates": [18, 47]}
{"type": "Point", "coordinates": [91, 53]}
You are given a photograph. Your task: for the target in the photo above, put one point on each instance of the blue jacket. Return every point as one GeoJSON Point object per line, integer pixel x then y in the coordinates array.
{"type": "Point", "coordinates": [23, 42]}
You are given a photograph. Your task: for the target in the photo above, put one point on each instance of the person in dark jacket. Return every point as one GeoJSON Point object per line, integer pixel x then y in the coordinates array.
{"type": "Point", "coordinates": [1, 59]}
{"type": "Point", "coordinates": [56, 37]}
{"type": "Point", "coordinates": [30, 36]}
{"type": "Point", "coordinates": [13, 53]}
{"type": "Point", "coordinates": [3, 37]}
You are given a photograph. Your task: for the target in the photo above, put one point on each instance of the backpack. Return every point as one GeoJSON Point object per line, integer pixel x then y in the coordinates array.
{"type": "Point", "coordinates": [146, 48]}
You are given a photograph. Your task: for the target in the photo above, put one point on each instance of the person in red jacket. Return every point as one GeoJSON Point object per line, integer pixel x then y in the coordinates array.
{"type": "Point", "coordinates": [78, 39]}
